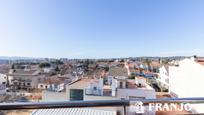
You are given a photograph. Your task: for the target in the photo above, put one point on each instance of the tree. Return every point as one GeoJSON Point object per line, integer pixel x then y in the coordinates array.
{"type": "Point", "coordinates": [166, 61]}
{"type": "Point", "coordinates": [43, 65]}
{"type": "Point", "coordinates": [132, 76]}
{"type": "Point", "coordinates": [147, 61]}
{"type": "Point", "coordinates": [57, 69]}
{"type": "Point", "coordinates": [106, 69]}
{"type": "Point", "coordinates": [57, 62]}
{"type": "Point", "coordinates": [122, 60]}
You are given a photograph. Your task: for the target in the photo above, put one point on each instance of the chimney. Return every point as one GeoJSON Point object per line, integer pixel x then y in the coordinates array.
{"type": "Point", "coordinates": [194, 58]}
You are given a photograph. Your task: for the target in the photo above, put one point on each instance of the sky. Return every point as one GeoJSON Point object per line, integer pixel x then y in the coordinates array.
{"type": "Point", "coordinates": [101, 28]}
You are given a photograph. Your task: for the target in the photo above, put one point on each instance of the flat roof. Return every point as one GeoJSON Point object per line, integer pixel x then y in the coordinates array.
{"type": "Point", "coordinates": [131, 85]}
{"type": "Point", "coordinates": [72, 111]}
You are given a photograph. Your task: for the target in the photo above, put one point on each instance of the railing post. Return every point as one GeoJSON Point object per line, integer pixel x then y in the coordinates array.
{"type": "Point", "coordinates": [124, 107]}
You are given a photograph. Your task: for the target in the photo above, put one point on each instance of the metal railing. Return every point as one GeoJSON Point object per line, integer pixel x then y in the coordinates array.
{"type": "Point", "coordinates": [99, 92]}
{"type": "Point", "coordinates": [98, 103]}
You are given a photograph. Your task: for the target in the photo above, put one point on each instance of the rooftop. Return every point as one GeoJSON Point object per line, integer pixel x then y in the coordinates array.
{"type": "Point", "coordinates": [73, 111]}
{"type": "Point", "coordinates": [201, 61]}
{"type": "Point", "coordinates": [155, 64]}
{"type": "Point", "coordinates": [4, 69]}
{"type": "Point", "coordinates": [80, 84]}
{"type": "Point", "coordinates": [118, 71]}
{"type": "Point", "coordinates": [54, 80]}
{"type": "Point", "coordinates": [22, 72]}
{"type": "Point", "coordinates": [132, 85]}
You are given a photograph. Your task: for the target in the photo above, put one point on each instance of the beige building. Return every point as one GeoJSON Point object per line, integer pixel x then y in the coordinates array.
{"type": "Point", "coordinates": [24, 79]}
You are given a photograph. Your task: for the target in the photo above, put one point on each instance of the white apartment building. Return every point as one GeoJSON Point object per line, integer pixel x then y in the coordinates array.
{"type": "Point", "coordinates": [110, 88]}
{"type": "Point", "coordinates": [163, 77]}
{"type": "Point", "coordinates": [3, 80]}
{"type": "Point", "coordinates": [186, 80]}
{"type": "Point", "coordinates": [52, 86]}
{"type": "Point", "coordinates": [128, 68]}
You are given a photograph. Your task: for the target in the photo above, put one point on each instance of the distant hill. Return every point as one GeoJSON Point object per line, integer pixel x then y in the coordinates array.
{"type": "Point", "coordinates": [16, 58]}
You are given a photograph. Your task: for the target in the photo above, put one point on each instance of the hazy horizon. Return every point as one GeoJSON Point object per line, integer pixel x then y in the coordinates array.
{"type": "Point", "coordinates": [22, 57]}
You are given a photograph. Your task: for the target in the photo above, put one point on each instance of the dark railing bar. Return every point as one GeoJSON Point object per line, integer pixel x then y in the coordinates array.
{"type": "Point", "coordinates": [94, 103]}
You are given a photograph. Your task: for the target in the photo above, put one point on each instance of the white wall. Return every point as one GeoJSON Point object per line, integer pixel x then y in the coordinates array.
{"type": "Point", "coordinates": [163, 76]}
{"type": "Point", "coordinates": [2, 86]}
{"type": "Point", "coordinates": [43, 86]}
{"type": "Point", "coordinates": [187, 80]}
{"type": "Point", "coordinates": [122, 93]}
{"type": "Point", "coordinates": [54, 96]}
{"type": "Point", "coordinates": [35, 80]}
{"type": "Point", "coordinates": [126, 93]}
{"type": "Point", "coordinates": [9, 79]}
{"type": "Point", "coordinates": [2, 78]}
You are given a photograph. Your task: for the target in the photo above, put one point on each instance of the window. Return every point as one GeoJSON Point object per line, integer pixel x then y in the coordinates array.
{"type": "Point", "coordinates": [41, 86]}
{"type": "Point", "coordinates": [76, 94]}
{"type": "Point", "coordinates": [4, 83]}
{"type": "Point", "coordinates": [121, 84]}
{"type": "Point", "coordinates": [28, 84]}
{"type": "Point", "coordinates": [95, 88]}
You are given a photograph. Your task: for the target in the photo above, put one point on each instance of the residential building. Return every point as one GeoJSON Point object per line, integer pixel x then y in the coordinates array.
{"type": "Point", "coordinates": [3, 78]}
{"type": "Point", "coordinates": [58, 94]}
{"type": "Point", "coordinates": [118, 70]}
{"type": "Point", "coordinates": [49, 69]}
{"type": "Point", "coordinates": [163, 77]}
{"type": "Point", "coordinates": [186, 80]}
{"type": "Point", "coordinates": [53, 83]}
{"type": "Point", "coordinates": [3, 81]}
{"type": "Point", "coordinates": [48, 96]}
{"type": "Point", "coordinates": [110, 88]}
{"type": "Point", "coordinates": [21, 79]}
{"type": "Point", "coordinates": [107, 88]}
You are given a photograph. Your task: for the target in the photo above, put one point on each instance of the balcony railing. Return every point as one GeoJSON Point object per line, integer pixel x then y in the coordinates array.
{"type": "Point", "coordinates": [94, 103]}
{"type": "Point", "coordinates": [99, 92]}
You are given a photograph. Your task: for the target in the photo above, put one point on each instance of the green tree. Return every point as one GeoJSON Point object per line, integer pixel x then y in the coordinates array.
{"type": "Point", "coordinates": [57, 69]}
{"type": "Point", "coordinates": [43, 65]}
